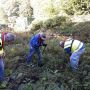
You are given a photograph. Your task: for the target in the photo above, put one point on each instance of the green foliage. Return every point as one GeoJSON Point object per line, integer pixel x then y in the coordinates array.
{"type": "Point", "coordinates": [52, 76]}
{"type": "Point", "coordinates": [50, 10]}
{"type": "Point", "coordinates": [8, 72]}
{"type": "Point", "coordinates": [48, 23]}
{"type": "Point", "coordinates": [11, 7]}
{"type": "Point", "coordinates": [76, 6]}
{"type": "Point", "coordinates": [19, 46]}
{"type": "Point", "coordinates": [36, 24]}
{"type": "Point", "coordinates": [45, 9]}
{"type": "Point", "coordinates": [25, 8]}
{"type": "Point", "coordinates": [3, 16]}
{"type": "Point", "coordinates": [18, 7]}
{"type": "Point", "coordinates": [28, 87]}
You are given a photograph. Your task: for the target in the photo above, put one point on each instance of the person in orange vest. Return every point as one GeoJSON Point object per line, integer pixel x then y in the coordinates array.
{"type": "Point", "coordinates": [4, 37]}
{"type": "Point", "coordinates": [74, 48]}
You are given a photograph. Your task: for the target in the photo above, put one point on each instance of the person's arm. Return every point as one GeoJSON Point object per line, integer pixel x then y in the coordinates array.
{"type": "Point", "coordinates": [67, 51]}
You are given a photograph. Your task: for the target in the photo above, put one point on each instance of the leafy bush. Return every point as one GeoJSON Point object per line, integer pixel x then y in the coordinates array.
{"type": "Point", "coordinates": [48, 23]}
{"type": "Point", "coordinates": [28, 87]}
{"type": "Point", "coordinates": [76, 6]}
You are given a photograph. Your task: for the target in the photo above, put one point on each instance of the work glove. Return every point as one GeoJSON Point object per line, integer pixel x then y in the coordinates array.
{"type": "Point", "coordinates": [45, 45]}
{"type": "Point", "coordinates": [2, 55]}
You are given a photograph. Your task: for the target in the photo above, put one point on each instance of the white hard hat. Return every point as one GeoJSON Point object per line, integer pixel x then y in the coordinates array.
{"type": "Point", "coordinates": [43, 36]}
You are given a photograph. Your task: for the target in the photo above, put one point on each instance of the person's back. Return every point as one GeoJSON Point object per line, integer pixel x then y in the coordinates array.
{"type": "Point", "coordinates": [76, 45]}
{"type": "Point", "coordinates": [73, 44]}
{"type": "Point", "coordinates": [34, 40]}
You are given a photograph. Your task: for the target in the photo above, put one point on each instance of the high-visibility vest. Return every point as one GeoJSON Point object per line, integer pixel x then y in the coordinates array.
{"type": "Point", "coordinates": [74, 45]}
{"type": "Point", "coordinates": [68, 43]}
{"type": "Point", "coordinates": [1, 44]}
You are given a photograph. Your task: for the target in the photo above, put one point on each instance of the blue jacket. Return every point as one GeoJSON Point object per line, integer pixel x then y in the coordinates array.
{"type": "Point", "coordinates": [34, 42]}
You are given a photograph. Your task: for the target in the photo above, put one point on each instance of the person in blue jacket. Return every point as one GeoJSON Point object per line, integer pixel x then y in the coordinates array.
{"type": "Point", "coordinates": [74, 48]}
{"type": "Point", "coordinates": [35, 42]}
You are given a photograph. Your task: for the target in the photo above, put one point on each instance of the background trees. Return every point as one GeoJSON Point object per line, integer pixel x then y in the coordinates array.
{"type": "Point", "coordinates": [45, 8]}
